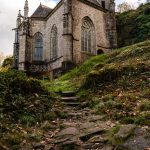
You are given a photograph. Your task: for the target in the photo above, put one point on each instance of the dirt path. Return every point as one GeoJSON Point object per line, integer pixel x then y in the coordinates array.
{"type": "Point", "coordinates": [80, 130]}
{"type": "Point", "coordinates": [83, 130]}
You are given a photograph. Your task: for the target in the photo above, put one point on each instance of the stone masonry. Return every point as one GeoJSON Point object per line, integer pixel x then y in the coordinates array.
{"type": "Point", "coordinates": [67, 17]}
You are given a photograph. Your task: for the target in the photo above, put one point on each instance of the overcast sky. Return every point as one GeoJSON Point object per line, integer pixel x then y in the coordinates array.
{"type": "Point", "coordinates": [8, 12]}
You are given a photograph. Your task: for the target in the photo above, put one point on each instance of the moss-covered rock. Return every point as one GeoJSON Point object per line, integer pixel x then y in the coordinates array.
{"type": "Point", "coordinates": [123, 133]}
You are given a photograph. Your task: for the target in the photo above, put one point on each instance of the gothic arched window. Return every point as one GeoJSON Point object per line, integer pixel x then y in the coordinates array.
{"type": "Point", "coordinates": [53, 43]}
{"type": "Point", "coordinates": [88, 36]}
{"type": "Point", "coordinates": [38, 47]}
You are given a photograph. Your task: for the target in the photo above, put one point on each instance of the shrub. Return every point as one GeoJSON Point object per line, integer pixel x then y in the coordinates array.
{"type": "Point", "coordinates": [22, 99]}
{"type": "Point", "coordinates": [8, 62]}
{"type": "Point", "coordinates": [133, 26]}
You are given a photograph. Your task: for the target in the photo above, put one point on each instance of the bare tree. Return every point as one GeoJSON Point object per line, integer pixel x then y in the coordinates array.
{"type": "Point", "coordinates": [124, 7]}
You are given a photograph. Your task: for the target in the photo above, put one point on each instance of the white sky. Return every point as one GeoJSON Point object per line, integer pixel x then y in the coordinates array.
{"type": "Point", "coordinates": [8, 12]}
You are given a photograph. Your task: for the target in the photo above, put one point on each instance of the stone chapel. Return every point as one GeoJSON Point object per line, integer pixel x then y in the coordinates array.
{"type": "Point", "coordinates": [55, 40]}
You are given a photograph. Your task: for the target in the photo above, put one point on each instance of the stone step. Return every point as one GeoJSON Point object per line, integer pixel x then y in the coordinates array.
{"type": "Point", "coordinates": [75, 115]}
{"type": "Point", "coordinates": [70, 99]}
{"type": "Point", "coordinates": [68, 93]}
{"type": "Point", "coordinates": [85, 136]}
{"type": "Point", "coordinates": [73, 104]}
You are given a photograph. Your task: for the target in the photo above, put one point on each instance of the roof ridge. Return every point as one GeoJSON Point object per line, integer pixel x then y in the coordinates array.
{"type": "Point", "coordinates": [44, 6]}
{"type": "Point", "coordinates": [41, 12]}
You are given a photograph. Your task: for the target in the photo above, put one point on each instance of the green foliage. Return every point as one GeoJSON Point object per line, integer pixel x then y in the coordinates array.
{"type": "Point", "coordinates": [24, 103]}
{"type": "Point", "coordinates": [27, 119]}
{"type": "Point", "coordinates": [8, 62]}
{"type": "Point", "coordinates": [133, 26]}
{"type": "Point", "coordinates": [22, 99]}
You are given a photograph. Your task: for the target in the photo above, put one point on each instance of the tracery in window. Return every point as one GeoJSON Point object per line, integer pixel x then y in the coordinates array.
{"type": "Point", "coordinates": [87, 35]}
{"type": "Point", "coordinates": [38, 47]}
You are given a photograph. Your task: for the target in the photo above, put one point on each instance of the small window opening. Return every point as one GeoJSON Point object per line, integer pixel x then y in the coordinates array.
{"type": "Point", "coordinates": [99, 52]}
{"type": "Point", "coordinates": [103, 4]}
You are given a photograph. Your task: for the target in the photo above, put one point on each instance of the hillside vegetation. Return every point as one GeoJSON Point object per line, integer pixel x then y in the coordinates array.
{"type": "Point", "coordinates": [116, 84]}
{"type": "Point", "coordinates": [114, 89]}
{"type": "Point", "coordinates": [74, 79]}
{"type": "Point", "coordinates": [24, 104]}
{"type": "Point", "coordinates": [133, 26]}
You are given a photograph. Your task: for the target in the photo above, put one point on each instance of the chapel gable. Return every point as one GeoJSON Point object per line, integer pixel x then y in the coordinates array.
{"type": "Point", "coordinates": [41, 12]}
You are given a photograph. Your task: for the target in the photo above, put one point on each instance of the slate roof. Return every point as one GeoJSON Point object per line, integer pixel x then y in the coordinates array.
{"type": "Point", "coordinates": [41, 12]}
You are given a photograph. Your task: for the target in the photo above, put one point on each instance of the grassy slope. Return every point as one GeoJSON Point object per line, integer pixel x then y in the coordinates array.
{"type": "Point", "coordinates": [74, 79]}
{"type": "Point", "coordinates": [133, 26]}
{"type": "Point", "coordinates": [116, 84]}
{"type": "Point", "coordinates": [121, 88]}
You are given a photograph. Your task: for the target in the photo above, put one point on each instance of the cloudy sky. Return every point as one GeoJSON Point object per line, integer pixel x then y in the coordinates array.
{"type": "Point", "coordinates": [8, 12]}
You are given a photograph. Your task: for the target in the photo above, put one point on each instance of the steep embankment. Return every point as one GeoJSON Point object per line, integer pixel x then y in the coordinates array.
{"type": "Point", "coordinates": [133, 26]}
{"type": "Point", "coordinates": [117, 84]}
{"type": "Point", "coordinates": [120, 81]}
{"type": "Point", "coordinates": [114, 90]}
{"type": "Point", "coordinates": [119, 59]}
{"type": "Point", "coordinates": [122, 85]}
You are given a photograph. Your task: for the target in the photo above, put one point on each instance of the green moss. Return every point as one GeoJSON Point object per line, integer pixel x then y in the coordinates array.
{"type": "Point", "coordinates": [113, 72]}
{"type": "Point", "coordinates": [112, 132]}
{"type": "Point", "coordinates": [85, 68]}
{"type": "Point", "coordinates": [120, 134]}
{"type": "Point", "coordinates": [72, 80]}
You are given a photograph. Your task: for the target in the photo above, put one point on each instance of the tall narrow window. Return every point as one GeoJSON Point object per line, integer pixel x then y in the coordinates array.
{"type": "Point", "coordinates": [53, 43]}
{"type": "Point", "coordinates": [103, 4]}
{"type": "Point", "coordinates": [87, 35]}
{"type": "Point", "coordinates": [38, 47]}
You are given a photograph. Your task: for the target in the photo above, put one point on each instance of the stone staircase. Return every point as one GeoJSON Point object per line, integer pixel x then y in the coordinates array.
{"type": "Point", "coordinates": [81, 130]}
{"type": "Point", "coordinates": [69, 98]}
{"type": "Point", "coordinates": [80, 127]}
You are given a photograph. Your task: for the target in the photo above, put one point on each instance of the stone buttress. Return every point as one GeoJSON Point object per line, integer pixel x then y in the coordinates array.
{"type": "Point", "coordinates": [67, 36]}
